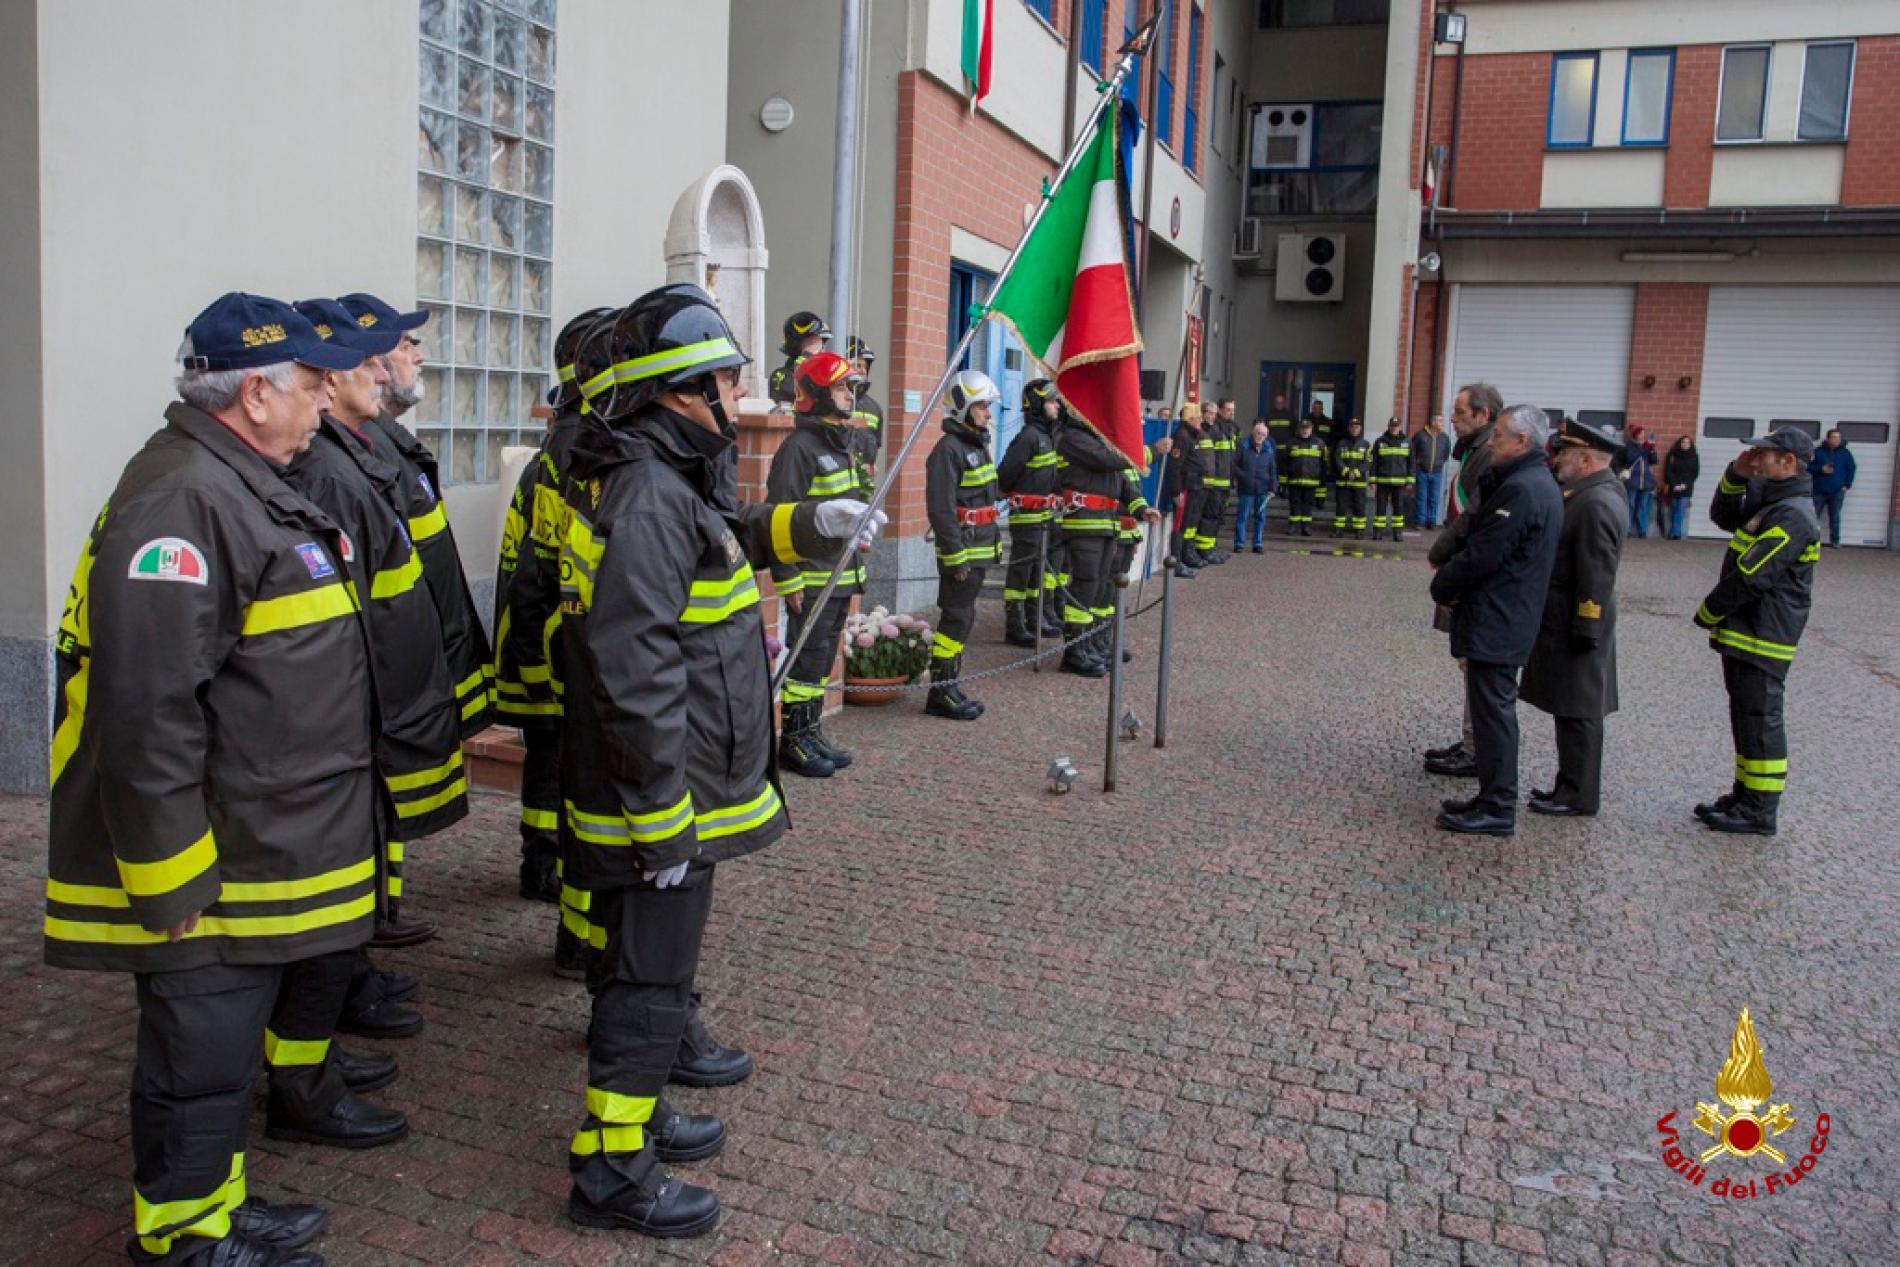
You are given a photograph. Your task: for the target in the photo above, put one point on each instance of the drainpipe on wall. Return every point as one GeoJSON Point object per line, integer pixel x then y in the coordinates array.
{"type": "Point", "coordinates": [844, 177]}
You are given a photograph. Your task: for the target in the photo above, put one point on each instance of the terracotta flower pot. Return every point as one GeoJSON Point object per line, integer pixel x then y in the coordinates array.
{"type": "Point", "coordinates": [872, 698]}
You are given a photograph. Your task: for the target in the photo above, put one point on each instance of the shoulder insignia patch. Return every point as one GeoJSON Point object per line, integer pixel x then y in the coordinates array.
{"type": "Point", "coordinates": [1587, 610]}
{"type": "Point", "coordinates": [169, 559]}
{"type": "Point", "coordinates": [316, 562]}
{"type": "Point", "coordinates": [1754, 525]}
{"type": "Point", "coordinates": [1501, 513]}
{"type": "Point", "coordinates": [345, 546]}
{"type": "Point", "coordinates": [973, 458]}
{"type": "Point", "coordinates": [827, 463]}
{"type": "Point", "coordinates": [428, 489]}
{"type": "Point", "coordinates": [734, 555]}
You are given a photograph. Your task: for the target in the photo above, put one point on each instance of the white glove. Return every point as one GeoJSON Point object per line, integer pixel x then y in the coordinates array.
{"type": "Point", "coordinates": [665, 879]}
{"type": "Point", "coordinates": [836, 516]}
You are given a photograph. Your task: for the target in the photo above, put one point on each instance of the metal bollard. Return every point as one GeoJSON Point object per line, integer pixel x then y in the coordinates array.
{"type": "Point", "coordinates": [1163, 651]}
{"type": "Point", "coordinates": [1115, 684]}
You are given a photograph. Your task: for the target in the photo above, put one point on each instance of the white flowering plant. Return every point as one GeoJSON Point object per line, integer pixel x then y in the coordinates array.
{"type": "Point", "coordinates": [880, 645]}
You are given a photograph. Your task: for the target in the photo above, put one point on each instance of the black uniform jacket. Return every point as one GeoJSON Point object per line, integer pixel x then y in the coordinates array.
{"type": "Point", "coordinates": [821, 459]}
{"type": "Point", "coordinates": [1189, 460]}
{"type": "Point", "coordinates": [418, 739]}
{"type": "Point", "coordinates": [1499, 575]}
{"type": "Point", "coordinates": [1092, 466]}
{"type": "Point", "coordinates": [1221, 438]}
{"type": "Point", "coordinates": [212, 732]}
{"type": "Point", "coordinates": [1305, 462]}
{"type": "Point", "coordinates": [1352, 462]}
{"type": "Point", "coordinates": [1760, 603]}
{"type": "Point", "coordinates": [1031, 467]}
{"type": "Point", "coordinates": [1572, 670]}
{"type": "Point", "coordinates": [528, 584]}
{"type": "Point", "coordinates": [666, 721]}
{"type": "Point", "coordinates": [1392, 459]}
{"type": "Point", "coordinates": [960, 476]}
{"type": "Point", "coordinates": [464, 641]}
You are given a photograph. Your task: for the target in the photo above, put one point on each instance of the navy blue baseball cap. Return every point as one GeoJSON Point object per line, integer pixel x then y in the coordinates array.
{"type": "Point", "coordinates": [240, 332]}
{"type": "Point", "coordinates": [1786, 440]}
{"type": "Point", "coordinates": [335, 324]}
{"type": "Point", "coordinates": [373, 314]}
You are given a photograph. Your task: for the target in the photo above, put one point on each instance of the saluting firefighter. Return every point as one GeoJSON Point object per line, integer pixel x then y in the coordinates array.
{"type": "Point", "coordinates": [805, 335]}
{"type": "Point", "coordinates": [1100, 494]}
{"type": "Point", "coordinates": [465, 642]}
{"type": "Point", "coordinates": [1572, 670]}
{"type": "Point", "coordinates": [666, 727]}
{"type": "Point", "coordinates": [1352, 471]}
{"type": "Point", "coordinates": [527, 643]}
{"type": "Point", "coordinates": [820, 460]}
{"type": "Point", "coordinates": [1187, 480]}
{"type": "Point", "coordinates": [1030, 479]}
{"type": "Point", "coordinates": [868, 412]}
{"type": "Point", "coordinates": [1305, 473]}
{"type": "Point", "coordinates": [211, 753]}
{"type": "Point", "coordinates": [1392, 480]}
{"type": "Point", "coordinates": [1755, 615]}
{"type": "Point", "coordinates": [960, 496]}
{"type": "Point", "coordinates": [1222, 435]}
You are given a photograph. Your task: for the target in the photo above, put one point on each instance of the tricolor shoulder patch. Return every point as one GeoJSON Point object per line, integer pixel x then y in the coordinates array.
{"type": "Point", "coordinates": [169, 559]}
{"type": "Point", "coordinates": [315, 561]}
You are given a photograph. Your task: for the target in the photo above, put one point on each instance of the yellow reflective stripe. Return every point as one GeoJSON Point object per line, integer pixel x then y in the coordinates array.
{"type": "Point", "coordinates": [616, 1109]}
{"type": "Point", "coordinates": [782, 548]}
{"type": "Point", "coordinates": [66, 738]}
{"type": "Point", "coordinates": [429, 523]}
{"type": "Point", "coordinates": [215, 925]}
{"type": "Point", "coordinates": [1754, 646]}
{"type": "Point", "coordinates": [86, 894]}
{"type": "Point", "coordinates": [282, 1053]}
{"type": "Point", "coordinates": [1810, 555]}
{"type": "Point", "coordinates": [657, 363]}
{"type": "Point", "coordinates": [1726, 485]}
{"type": "Point", "coordinates": [1706, 616]}
{"type": "Point", "coordinates": [944, 646]}
{"type": "Point", "coordinates": [394, 851]}
{"type": "Point", "coordinates": [1051, 458]}
{"type": "Point", "coordinates": [801, 692]}
{"type": "Point", "coordinates": [393, 581]}
{"type": "Point", "coordinates": [624, 829]}
{"type": "Point", "coordinates": [565, 372]}
{"type": "Point", "coordinates": [1763, 765]}
{"type": "Point", "coordinates": [293, 611]}
{"type": "Point", "coordinates": [415, 809]}
{"type": "Point", "coordinates": [710, 602]}
{"type": "Point", "coordinates": [154, 879]}
{"type": "Point", "coordinates": [598, 383]}
{"type": "Point", "coordinates": [833, 484]}
{"type": "Point", "coordinates": [1780, 538]}
{"type": "Point", "coordinates": [977, 476]}
{"type": "Point", "coordinates": [608, 1139]}
{"type": "Point", "coordinates": [540, 819]}
{"type": "Point", "coordinates": [475, 681]}
{"type": "Point", "coordinates": [290, 890]}
{"type": "Point", "coordinates": [425, 778]}
{"type": "Point", "coordinates": [157, 1223]}
{"type": "Point", "coordinates": [739, 818]}
{"type": "Point", "coordinates": [660, 824]}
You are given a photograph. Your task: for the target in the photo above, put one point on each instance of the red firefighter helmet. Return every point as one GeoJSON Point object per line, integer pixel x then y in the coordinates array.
{"type": "Point", "coordinates": [816, 375]}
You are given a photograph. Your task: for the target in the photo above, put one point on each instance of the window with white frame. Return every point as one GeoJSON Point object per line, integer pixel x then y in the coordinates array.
{"type": "Point", "coordinates": [1742, 106]}
{"type": "Point", "coordinates": [1827, 81]}
{"type": "Point", "coordinates": [484, 226]}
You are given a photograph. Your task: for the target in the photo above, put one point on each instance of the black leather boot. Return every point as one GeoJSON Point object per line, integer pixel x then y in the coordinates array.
{"type": "Point", "coordinates": [1752, 814]}
{"type": "Point", "coordinates": [538, 880]}
{"type": "Point", "coordinates": [660, 1206]}
{"type": "Point", "coordinates": [798, 748]}
{"type": "Point", "coordinates": [282, 1227]}
{"type": "Point", "coordinates": [352, 1122]}
{"type": "Point", "coordinates": [238, 1250]}
{"type": "Point", "coordinates": [1051, 616]}
{"type": "Point", "coordinates": [1016, 630]}
{"type": "Point", "coordinates": [682, 1137]}
{"type": "Point", "coordinates": [704, 1061]}
{"type": "Point", "coordinates": [394, 931]}
{"type": "Point", "coordinates": [950, 701]}
{"type": "Point", "coordinates": [365, 1071]}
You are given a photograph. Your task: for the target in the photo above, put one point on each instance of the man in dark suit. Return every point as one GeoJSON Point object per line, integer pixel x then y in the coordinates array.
{"type": "Point", "coordinates": [1572, 671]}
{"type": "Point", "coordinates": [1495, 586]}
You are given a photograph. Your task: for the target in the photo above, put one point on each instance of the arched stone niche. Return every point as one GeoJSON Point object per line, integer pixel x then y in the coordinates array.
{"type": "Point", "coordinates": [716, 240]}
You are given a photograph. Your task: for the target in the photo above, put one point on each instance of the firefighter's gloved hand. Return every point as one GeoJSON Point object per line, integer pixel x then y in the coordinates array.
{"type": "Point", "coordinates": [836, 517]}
{"type": "Point", "coordinates": [665, 879]}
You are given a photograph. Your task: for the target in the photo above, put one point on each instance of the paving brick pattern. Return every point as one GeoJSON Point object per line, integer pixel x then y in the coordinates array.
{"type": "Point", "coordinates": [1252, 1008]}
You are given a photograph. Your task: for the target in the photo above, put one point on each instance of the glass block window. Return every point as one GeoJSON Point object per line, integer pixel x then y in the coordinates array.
{"type": "Point", "coordinates": [484, 226]}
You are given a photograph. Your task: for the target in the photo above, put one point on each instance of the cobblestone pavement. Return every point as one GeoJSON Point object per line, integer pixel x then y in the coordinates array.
{"type": "Point", "coordinates": [1251, 1008]}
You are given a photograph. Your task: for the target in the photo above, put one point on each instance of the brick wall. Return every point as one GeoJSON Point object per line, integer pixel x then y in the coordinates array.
{"type": "Point", "coordinates": [1692, 128]}
{"type": "Point", "coordinates": [1666, 339]}
{"type": "Point", "coordinates": [1501, 138]}
{"type": "Point", "coordinates": [1427, 350]}
{"type": "Point", "coordinates": [1872, 173]}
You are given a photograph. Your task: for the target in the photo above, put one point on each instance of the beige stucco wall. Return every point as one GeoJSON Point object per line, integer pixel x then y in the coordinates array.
{"type": "Point", "coordinates": [1522, 26]}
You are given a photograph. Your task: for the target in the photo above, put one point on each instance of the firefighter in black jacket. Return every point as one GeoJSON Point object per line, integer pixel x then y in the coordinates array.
{"type": "Point", "coordinates": [960, 497]}
{"type": "Point", "coordinates": [868, 412]}
{"type": "Point", "coordinates": [1304, 472]}
{"type": "Point", "coordinates": [666, 739]}
{"type": "Point", "coordinates": [1352, 471]}
{"type": "Point", "coordinates": [1223, 433]}
{"type": "Point", "coordinates": [820, 460]}
{"type": "Point", "coordinates": [1755, 615]}
{"type": "Point", "coordinates": [211, 752]}
{"type": "Point", "coordinates": [465, 642]}
{"type": "Point", "coordinates": [805, 335]}
{"type": "Point", "coordinates": [1029, 478]}
{"type": "Point", "coordinates": [527, 622]}
{"type": "Point", "coordinates": [1101, 498]}
{"type": "Point", "coordinates": [1391, 480]}
{"type": "Point", "coordinates": [1190, 460]}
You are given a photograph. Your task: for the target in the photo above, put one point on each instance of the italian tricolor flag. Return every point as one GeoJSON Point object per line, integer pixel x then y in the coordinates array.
{"type": "Point", "coordinates": [1070, 303]}
{"type": "Point", "coordinates": [978, 28]}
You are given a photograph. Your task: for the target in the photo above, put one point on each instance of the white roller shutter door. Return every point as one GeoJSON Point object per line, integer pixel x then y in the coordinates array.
{"type": "Point", "coordinates": [1558, 347]}
{"type": "Point", "coordinates": [1822, 354]}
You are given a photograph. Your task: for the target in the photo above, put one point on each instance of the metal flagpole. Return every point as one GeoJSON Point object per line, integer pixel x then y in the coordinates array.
{"type": "Point", "coordinates": [1110, 94]}
{"type": "Point", "coordinates": [1161, 467]}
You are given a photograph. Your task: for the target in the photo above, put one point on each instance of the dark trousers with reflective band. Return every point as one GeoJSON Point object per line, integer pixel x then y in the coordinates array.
{"type": "Point", "coordinates": [1761, 737]}
{"type": "Point", "coordinates": [812, 670]}
{"type": "Point", "coordinates": [200, 1030]}
{"type": "Point", "coordinates": [643, 993]}
{"type": "Point", "coordinates": [1091, 560]}
{"type": "Point", "coordinates": [1213, 507]}
{"type": "Point", "coordinates": [1579, 763]}
{"type": "Point", "coordinates": [1349, 511]}
{"type": "Point", "coordinates": [1027, 543]}
{"type": "Point", "coordinates": [1388, 506]}
{"type": "Point", "coordinates": [1187, 529]}
{"type": "Point", "coordinates": [957, 599]}
{"type": "Point", "coordinates": [1301, 501]}
{"type": "Point", "coordinates": [298, 1040]}
{"type": "Point", "coordinates": [1491, 695]}
{"type": "Point", "coordinates": [540, 789]}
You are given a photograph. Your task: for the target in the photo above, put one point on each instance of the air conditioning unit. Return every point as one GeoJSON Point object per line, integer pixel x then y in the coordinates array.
{"type": "Point", "coordinates": [1283, 137]}
{"type": "Point", "coordinates": [1247, 239]}
{"type": "Point", "coordinates": [1310, 268]}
